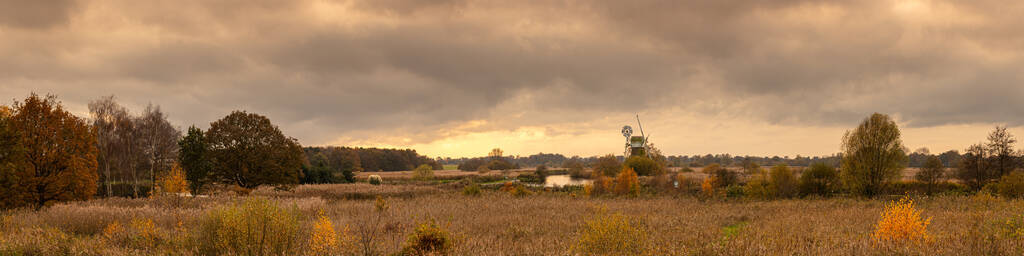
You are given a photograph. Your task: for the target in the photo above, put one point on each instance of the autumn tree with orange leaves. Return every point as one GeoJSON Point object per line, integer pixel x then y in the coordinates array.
{"type": "Point", "coordinates": [49, 155]}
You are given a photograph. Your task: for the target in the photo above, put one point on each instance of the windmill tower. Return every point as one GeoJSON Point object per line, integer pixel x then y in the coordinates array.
{"type": "Point", "coordinates": [635, 145]}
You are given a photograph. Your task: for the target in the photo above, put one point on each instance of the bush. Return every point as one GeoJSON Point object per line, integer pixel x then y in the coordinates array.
{"type": "Point", "coordinates": [428, 239]}
{"type": "Point", "coordinates": [757, 187]}
{"type": "Point", "coordinates": [782, 183]}
{"type": "Point", "coordinates": [609, 165]}
{"type": "Point", "coordinates": [820, 179]}
{"type": "Point", "coordinates": [173, 182]}
{"type": "Point", "coordinates": [375, 179]}
{"type": "Point", "coordinates": [686, 169]}
{"type": "Point", "coordinates": [626, 183]}
{"type": "Point", "coordinates": [254, 227]}
{"type": "Point", "coordinates": [541, 171]}
{"type": "Point", "coordinates": [472, 189]}
{"type": "Point", "coordinates": [482, 169]}
{"type": "Point", "coordinates": [600, 185]}
{"type": "Point", "coordinates": [643, 166]}
{"type": "Point", "coordinates": [575, 169]}
{"type": "Point", "coordinates": [900, 223]}
{"type": "Point", "coordinates": [324, 240]}
{"type": "Point", "coordinates": [423, 172]}
{"type": "Point", "coordinates": [920, 188]}
{"type": "Point", "coordinates": [610, 234]}
{"type": "Point", "coordinates": [500, 164]}
{"type": "Point", "coordinates": [1011, 185]}
{"type": "Point", "coordinates": [723, 177]}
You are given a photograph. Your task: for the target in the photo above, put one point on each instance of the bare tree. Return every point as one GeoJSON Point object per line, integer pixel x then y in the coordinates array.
{"type": "Point", "coordinates": [105, 114]}
{"type": "Point", "coordinates": [1000, 150]}
{"type": "Point", "coordinates": [158, 141]}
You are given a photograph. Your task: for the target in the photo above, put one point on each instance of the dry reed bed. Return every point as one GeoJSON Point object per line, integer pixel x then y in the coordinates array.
{"type": "Point", "coordinates": [547, 224]}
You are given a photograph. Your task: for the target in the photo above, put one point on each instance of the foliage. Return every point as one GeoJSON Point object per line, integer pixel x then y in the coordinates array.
{"type": "Point", "coordinates": [541, 171]}
{"type": "Point", "coordinates": [471, 189]}
{"type": "Point", "coordinates": [1013, 227]}
{"type": "Point", "coordinates": [423, 172]}
{"type": "Point", "coordinates": [707, 187]}
{"type": "Point", "coordinates": [317, 171]}
{"type": "Point", "coordinates": [472, 165]}
{"type": "Point", "coordinates": [644, 166]}
{"type": "Point", "coordinates": [516, 189]}
{"type": "Point", "coordinates": [819, 179]}
{"type": "Point", "coordinates": [626, 183]}
{"type": "Point", "coordinates": [931, 173]}
{"type": "Point", "coordinates": [324, 239]}
{"type": "Point", "coordinates": [248, 151]}
{"type": "Point", "coordinates": [374, 179]}
{"type": "Point", "coordinates": [974, 169]}
{"type": "Point", "coordinates": [758, 186]}
{"type": "Point", "coordinates": [901, 222]}
{"type": "Point", "coordinates": [428, 239]}
{"type": "Point", "coordinates": [781, 182]}
{"type": "Point", "coordinates": [611, 234]}
{"type": "Point", "coordinates": [173, 181]}
{"type": "Point", "coordinates": [483, 169]}
{"type": "Point", "coordinates": [1011, 185]}
{"type": "Point", "coordinates": [873, 155]}
{"type": "Point", "coordinates": [194, 159]}
{"type": "Point", "coordinates": [51, 156]}
{"type": "Point", "coordinates": [500, 164]}
{"type": "Point", "coordinates": [253, 227]}
{"type": "Point", "coordinates": [575, 169]}
{"type": "Point", "coordinates": [723, 177]}
{"type": "Point", "coordinates": [609, 165]}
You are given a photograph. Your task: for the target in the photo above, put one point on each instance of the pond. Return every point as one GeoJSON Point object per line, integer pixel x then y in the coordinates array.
{"type": "Point", "coordinates": [563, 180]}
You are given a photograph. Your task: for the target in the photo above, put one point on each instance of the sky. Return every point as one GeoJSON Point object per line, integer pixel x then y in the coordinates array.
{"type": "Point", "coordinates": [453, 78]}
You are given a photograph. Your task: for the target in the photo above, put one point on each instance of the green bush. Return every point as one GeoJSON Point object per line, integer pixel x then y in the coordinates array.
{"type": "Point", "coordinates": [1011, 185]}
{"type": "Point", "coordinates": [643, 166]}
{"type": "Point", "coordinates": [428, 239]}
{"type": "Point", "coordinates": [782, 183]}
{"type": "Point", "coordinates": [472, 189]}
{"type": "Point", "coordinates": [423, 172]}
{"type": "Point", "coordinates": [254, 227]}
{"type": "Point", "coordinates": [820, 179]}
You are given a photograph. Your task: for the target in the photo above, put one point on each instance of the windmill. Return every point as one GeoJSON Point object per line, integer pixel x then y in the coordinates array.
{"type": "Point", "coordinates": [635, 145]}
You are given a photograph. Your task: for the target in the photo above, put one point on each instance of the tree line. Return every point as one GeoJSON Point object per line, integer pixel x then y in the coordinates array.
{"type": "Point", "coordinates": [49, 155]}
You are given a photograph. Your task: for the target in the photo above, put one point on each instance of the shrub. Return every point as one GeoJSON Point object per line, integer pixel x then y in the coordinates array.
{"type": "Point", "coordinates": [428, 239]}
{"type": "Point", "coordinates": [375, 179]}
{"type": "Point", "coordinates": [541, 172]}
{"type": "Point", "coordinates": [711, 168]}
{"type": "Point", "coordinates": [609, 165]}
{"type": "Point", "coordinates": [515, 189]}
{"type": "Point", "coordinates": [626, 183]}
{"type": "Point", "coordinates": [782, 183]}
{"type": "Point", "coordinates": [323, 239]}
{"type": "Point", "coordinates": [423, 172]}
{"type": "Point", "coordinates": [757, 187]}
{"type": "Point", "coordinates": [820, 179]}
{"type": "Point", "coordinates": [734, 191]}
{"type": "Point", "coordinates": [173, 182]}
{"type": "Point", "coordinates": [724, 177]}
{"type": "Point", "coordinates": [686, 169]}
{"type": "Point", "coordinates": [685, 184]}
{"type": "Point", "coordinates": [483, 169]}
{"type": "Point", "coordinates": [901, 222]}
{"type": "Point", "coordinates": [707, 187]}
{"type": "Point", "coordinates": [600, 185]}
{"type": "Point", "coordinates": [643, 166]}
{"type": "Point", "coordinates": [930, 173]}
{"type": "Point", "coordinates": [1011, 185]}
{"type": "Point", "coordinates": [254, 227]}
{"type": "Point", "coordinates": [610, 234]}
{"type": "Point", "coordinates": [472, 189]}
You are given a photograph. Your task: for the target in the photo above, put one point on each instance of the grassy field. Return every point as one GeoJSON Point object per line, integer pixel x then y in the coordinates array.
{"type": "Point", "coordinates": [497, 223]}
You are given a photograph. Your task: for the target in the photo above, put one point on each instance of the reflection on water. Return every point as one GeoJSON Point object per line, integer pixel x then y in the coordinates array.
{"type": "Point", "coordinates": [562, 180]}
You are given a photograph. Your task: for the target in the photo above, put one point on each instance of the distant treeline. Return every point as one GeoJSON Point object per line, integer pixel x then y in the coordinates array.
{"type": "Point", "coordinates": [339, 164]}
{"type": "Point", "coordinates": [917, 159]}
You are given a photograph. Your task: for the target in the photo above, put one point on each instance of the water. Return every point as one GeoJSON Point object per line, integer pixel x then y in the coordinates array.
{"type": "Point", "coordinates": [562, 180]}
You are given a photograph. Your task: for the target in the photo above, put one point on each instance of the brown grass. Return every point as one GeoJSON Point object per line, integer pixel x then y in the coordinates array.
{"type": "Point", "coordinates": [545, 223]}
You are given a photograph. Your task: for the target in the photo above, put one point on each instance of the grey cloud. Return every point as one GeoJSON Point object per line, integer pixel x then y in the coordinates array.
{"type": "Point", "coordinates": [30, 14]}
{"type": "Point", "coordinates": [434, 64]}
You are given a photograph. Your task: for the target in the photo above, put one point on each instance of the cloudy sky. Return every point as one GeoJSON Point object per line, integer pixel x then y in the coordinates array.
{"type": "Point", "coordinates": [456, 78]}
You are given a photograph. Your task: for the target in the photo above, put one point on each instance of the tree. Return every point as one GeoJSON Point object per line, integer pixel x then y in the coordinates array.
{"type": "Point", "coordinates": [56, 155]}
{"type": "Point", "coordinates": [248, 151]}
{"type": "Point", "coordinates": [781, 182]}
{"type": "Point", "coordinates": [974, 168]}
{"type": "Point", "coordinates": [173, 181]}
{"type": "Point", "coordinates": [721, 177]}
{"type": "Point", "coordinates": [195, 160]}
{"type": "Point", "coordinates": [931, 172]}
{"type": "Point", "coordinates": [495, 153]}
{"type": "Point", "coordinates": [106, 115]}
{"type": "Point", "coordinates": [609, 165]}
{"type": "Point", "coordinates": [159, 141]}
{"type": "Point", "coordinates": [1000, 150]}
{"type": "Point", "coordinates": [873, 155]}
{"type": "Point", "coordinates": [575, 168]}
{"type": "Point", "coordinates": [819, 179]}
{"type": "Point", "coordinates": [11, 154]}
{"type": "Point", "coordinates": [643, 166]}
{"type": "Point", "coordinates": [423, 172]}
